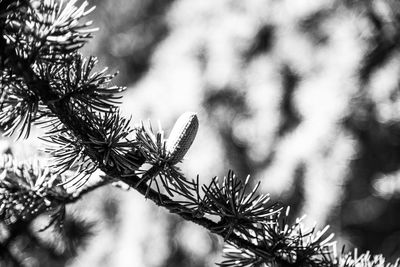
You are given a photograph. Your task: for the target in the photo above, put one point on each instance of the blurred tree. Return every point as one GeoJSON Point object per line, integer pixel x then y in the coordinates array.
{"type": "Point", "coordinates": [303, 95]}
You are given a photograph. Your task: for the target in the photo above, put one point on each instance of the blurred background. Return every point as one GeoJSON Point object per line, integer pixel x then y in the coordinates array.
{"type": "Point", "coordinates": [302, 95]}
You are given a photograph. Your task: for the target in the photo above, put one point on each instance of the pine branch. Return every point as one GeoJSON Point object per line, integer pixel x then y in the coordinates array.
{"type": "Point", "coordinates": [28, 190]}
{"type": "Point", "coordinates": [45, 79]}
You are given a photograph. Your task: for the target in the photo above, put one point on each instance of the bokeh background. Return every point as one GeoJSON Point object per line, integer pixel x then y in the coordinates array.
{"type": "Point", "coordinates": [302, 95]}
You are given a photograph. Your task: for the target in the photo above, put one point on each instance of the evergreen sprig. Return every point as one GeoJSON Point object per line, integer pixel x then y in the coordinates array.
{"type": "Point", "coordinates": [238, 210]}
{"type": "Point", "coordinates": [46, 29]}
{"type": "Point", "coordinates": [44, 80]}
{"type": "Point", "coordinates": [28, 190]}
{"type": "Point", "coordinates": [19, 107]}
{"type": "Point", "coordinates": [75, 82]}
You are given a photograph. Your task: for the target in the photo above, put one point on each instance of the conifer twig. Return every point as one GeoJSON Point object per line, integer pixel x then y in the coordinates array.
{"type": "Point", "coordinates": [45, 79]}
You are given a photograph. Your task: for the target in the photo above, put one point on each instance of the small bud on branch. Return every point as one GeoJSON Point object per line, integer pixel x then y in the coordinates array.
{"type": "Point", "coordinates": [182, 137]}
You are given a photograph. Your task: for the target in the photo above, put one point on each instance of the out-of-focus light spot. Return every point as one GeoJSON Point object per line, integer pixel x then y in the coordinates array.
{"type": "Point", "coordinates": [387, 185]}
{"type": "Point", "coordinates": [194, 241]}
{"type": "Point", "coordinates": [384, 92]}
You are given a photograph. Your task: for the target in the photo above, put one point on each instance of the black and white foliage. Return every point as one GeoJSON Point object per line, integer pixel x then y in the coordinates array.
{"type": "Point", "coordinates": [45, 81]}
{"type": "Point", "coordinates": [27, 190]}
